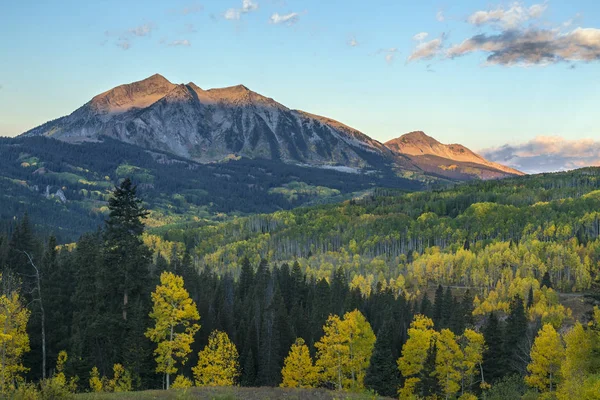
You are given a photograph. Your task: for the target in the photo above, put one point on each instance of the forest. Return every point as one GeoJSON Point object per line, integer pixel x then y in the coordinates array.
{"type": "Point", "coordinates": [464, 292]}
{"type": "Point", "coordinates": [175, 190]}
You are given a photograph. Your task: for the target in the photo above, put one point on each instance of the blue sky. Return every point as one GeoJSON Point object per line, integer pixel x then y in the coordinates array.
{"type": "Point", "coordinates": [360, 62]}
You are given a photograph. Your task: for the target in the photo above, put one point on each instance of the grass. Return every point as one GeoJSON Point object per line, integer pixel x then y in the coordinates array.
{"type": "Point", "coordinates": [231, 393]}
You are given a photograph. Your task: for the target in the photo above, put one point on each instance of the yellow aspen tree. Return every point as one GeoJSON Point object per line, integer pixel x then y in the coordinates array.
{"type": "Point", "coordinates": [547, 355]}
{"type": "Point", "coordinates": [121, 381]}
{"type": "Point", "coordinates": [344, 351]}
{"type": "Point", "coordinates": [360, 344]}
{"type": "Point", "coordinates": [175, 316]}
{"type": "Point", "coordinates": [298, 369]}
{"type": "Point", "coordinates": [448, 363]}
{"type": "Point", "coordinates": [414, 353]}
{"type": "Point", "coordinates": [332, 352]}
{"type": "Point", "coordinates": [182, 382]}
{"type": "Point", "coordinates": [472, 346]}
{"type": "Point", "coordinates": [580, 345]}
{"type": "Point", "coordinates": [218, 363]}
{"type": "Point", "coordinates": [95, 381]}
{"type": "Point", "coordinates": [14, 341]}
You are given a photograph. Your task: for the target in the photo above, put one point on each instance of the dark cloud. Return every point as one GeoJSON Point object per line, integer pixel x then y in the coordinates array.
{"type": "Point", "coordinates": [533, 46]}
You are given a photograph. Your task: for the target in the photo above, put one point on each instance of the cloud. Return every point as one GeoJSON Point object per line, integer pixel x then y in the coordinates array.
{"type": "Point", "coordinates": [125, 44]}
{"type": "Point", "coordinates": [236, 13]}
{"type": "Point", "coordinates": [509, 18]}
{"type": "Point", "coordinates": [533, 46]}
{"type": "Point", "coordinates": [142, 30]}
{"type": "Point", "coordinates": [419, 37]}
{"type": "Point", "coordinates": [189, 9]}
{"type": "Point", "coordinates": [189, 28]}
{"type": "Point", "coordinates": [183, 42]}
{"type": "Point", "coordinates": [547, 154]}
{"type": "Point", "coordinates": [426, 50]}
{"type": "Point", "coordinates": [288, 19]}
{"type": "Point", "coordinates": [440, 16]}
{"type": "Point", "coordinates": [352, 42]}
{"type": "Point", "coordinates": [390, 54]}
{"type": "Point", "coordinates": [512, 36]}
{"type": "Point", "coordinates": [124, 39]}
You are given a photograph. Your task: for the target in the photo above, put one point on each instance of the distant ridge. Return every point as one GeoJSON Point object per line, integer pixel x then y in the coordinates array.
{"type": "Point", "coordinates": [452, 160]}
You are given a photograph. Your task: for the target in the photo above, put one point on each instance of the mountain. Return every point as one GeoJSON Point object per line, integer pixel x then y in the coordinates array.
{"type": "Point", "coordinates": [219, 124]}
{"type": "Point", "coordinates": [213, 125]}
{"type": "Point", "coordinates": [453, 161]}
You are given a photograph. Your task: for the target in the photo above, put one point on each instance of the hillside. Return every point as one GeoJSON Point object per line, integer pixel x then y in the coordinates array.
{"type": "Point", "coordinates": [389, 234]}
{"type": "Point", "coordinates": [64, 186]}
{"type": "Point", "coordinates": [453, 161]}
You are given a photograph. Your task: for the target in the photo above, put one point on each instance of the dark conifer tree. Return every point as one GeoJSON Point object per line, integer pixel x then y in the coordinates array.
{"type": "Point", "coordinates": [515, 337]}
{"type": "Point", "coordinates": [321, 306]}
{"type": "Point", "coordinates": [530, 297]}
{"type": "Point", "coordinates": [246, 280]}
{"type": "Point", "coordinates": [87, 344]}
{"type": "Point", "coordinates": [438, 307]}
{"type": "Point", "coordinates": [383, 375]}
{"type": "Point", "coordinates": [339, 291]}
{"type": "Point", "coordinates": [546, 280]}
{"type": "Point", "coordinates": [466, 308]}
{"type": "Point", "coordinates": [448, 309]}
{"type": "Point", "coordinates": [429, 386]}
{"type": "Point", "coordinates": [426, 307]}
{"type": "Point", "coordinates": [493, 356]}
{"type": "Point", "coordinates": [125, 279]}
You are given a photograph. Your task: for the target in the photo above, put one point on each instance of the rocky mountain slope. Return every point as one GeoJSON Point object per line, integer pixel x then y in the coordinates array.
{"type": "Point", "coordinates": [219, 124]}
{"type": "Point", "coordinates": [212, 125]}
{"type": "Point", "coordinates": [452, 160]}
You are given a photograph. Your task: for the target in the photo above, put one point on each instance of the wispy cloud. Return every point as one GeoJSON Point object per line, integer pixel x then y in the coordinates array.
{"type": "Point", "coordinates": [236, 13]}
{"type": "Point", "coordinates": [352, 42]}
{"type": "Point", "coordinates": [189, 28]}
{"type": "Point", "coordinates": [183, 42]}
{"type": "Point", "coordinates": [142, 30]}
{"type": "Point", "coordinates": [440, 16]}
{"type": "Point", "coordinates": [389, 54]}
{"type": "Point", "coordinates": [547, 154]}
{"type": "Point", "coordinates": [288, 19]}
{"type": "Point", "coordinates": [419, 37]}
{"type": "Point", "coordinates": [125, 44]}
{"type": "Point", "coordinates": [533, 46]}
{"type": "Point", "coordinates": [425, 50]}
{"type": "Point", "coordinates": [125, 38]}
{"type": "Point", "coordinates": [189, 9]}
{"type": "Point", "coordinates": [508, 18]}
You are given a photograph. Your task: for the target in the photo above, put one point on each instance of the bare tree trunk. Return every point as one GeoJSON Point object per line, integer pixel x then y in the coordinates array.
{"type": "Point", "coordinates": [39, 290]}
{"type": "Point", "coordinates": [125, 301]}
{"type": "Point", "coordinates": [170, 357]}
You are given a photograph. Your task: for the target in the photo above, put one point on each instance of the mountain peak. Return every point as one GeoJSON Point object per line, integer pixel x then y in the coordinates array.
{"type": "Point", "coordinates": [156, 78]}
{"type": "Point", "coordinates": [430, 154]}
{"type": "Point", "coordinates": [416, 136]}
{"type": "Point", "coordinates": [138, 94]}
{"type": "Point", "coordinates": [242, 96]}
